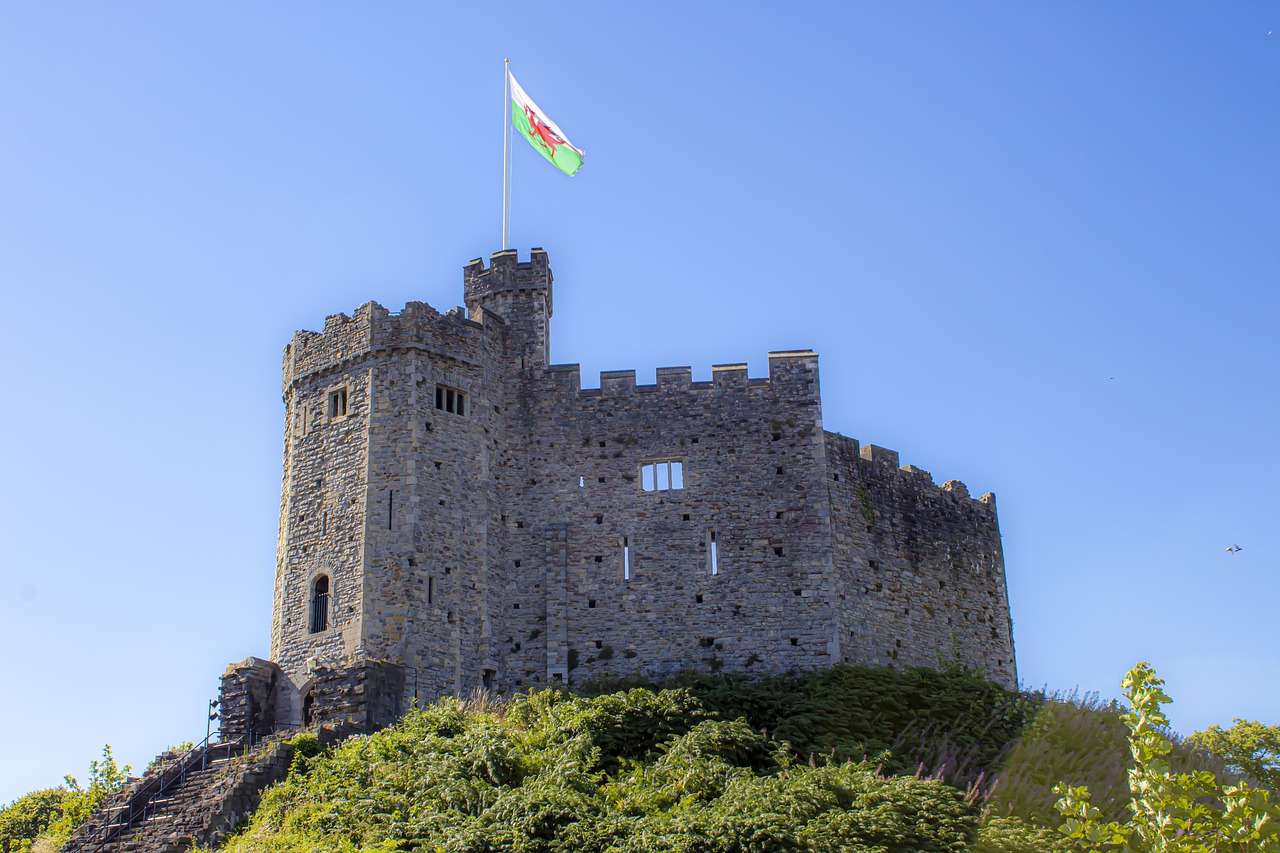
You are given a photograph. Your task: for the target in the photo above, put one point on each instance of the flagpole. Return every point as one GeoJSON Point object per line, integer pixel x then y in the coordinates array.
{"type": "Point", "coordinates": [506, 153]}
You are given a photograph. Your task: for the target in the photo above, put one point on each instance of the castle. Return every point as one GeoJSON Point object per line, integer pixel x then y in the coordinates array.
{"type": "Point", "coordinates": [458, 513]}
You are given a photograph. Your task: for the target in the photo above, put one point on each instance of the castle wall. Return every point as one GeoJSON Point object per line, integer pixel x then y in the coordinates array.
{"type": "Point", "coordinates": [510, 541]}
{"type": "Point", "coordinates": [388, 500]}
{"type": "Point", "coordinates": [751, 452]}
{"type": "Point", "coordinates": [920, 569]}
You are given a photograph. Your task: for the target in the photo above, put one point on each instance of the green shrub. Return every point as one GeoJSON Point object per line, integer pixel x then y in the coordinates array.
{"type": "Point", "coordinates": [1170, 812]}
{"type": "Point", "coordinates": [630, 771]}
{"type": "Point", "coordinates": [949, 720]}
{"type": "Point", "coordinates": [28, 816]}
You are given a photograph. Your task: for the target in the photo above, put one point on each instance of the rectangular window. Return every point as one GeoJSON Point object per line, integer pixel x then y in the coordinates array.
{"type": "Point", "coordinates": [338, 403]}
{"type": "Point", "coordinates": [713, 553]}
{"type": "Point", "coordinates": [626, 559]}
{"type": "Point", "coordinates": [451, 400]}
{"type": "Point", "coordinates": [662, 476]}
{"type": "Point", "coordinates": [431, 590]}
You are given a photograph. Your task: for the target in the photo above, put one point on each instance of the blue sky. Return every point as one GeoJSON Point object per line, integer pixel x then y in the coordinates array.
{"type": "Point", "coordinates": [1034, 244]}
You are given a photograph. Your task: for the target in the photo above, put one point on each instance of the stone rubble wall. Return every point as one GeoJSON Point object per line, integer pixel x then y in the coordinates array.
{"type": "Point", "coordinates": [487, 548]}
{"type": "Point", "coordinates": [247, 699]}
{"type": "Point", "coordinates": [921, 567]}
{"type": "Point", "coordinates": [357, 699]}
{"type": "Point", "coordinates": [752, 461]}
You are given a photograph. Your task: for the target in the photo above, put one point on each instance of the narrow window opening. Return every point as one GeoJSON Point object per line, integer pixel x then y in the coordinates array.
{"type": "Point", "coordinates": [320, 604]}
{"type": "Point", "coordinates": [599, 559]}
{"type": "Point", "coordinates": [599, 519]}
{"type": "Point", "coordinates": [795, 641]}
{"type": "Point", "coordinates": [713, 553]}
{"type": "Point", "coordinates": [391, 509]}
{"type": "Point", "coordinates": [684, 517]}
{"type": "Point", "coordinates": [591, 602]}
{"type": "Point", "coordinates": [451, 400]}
{"type": "Point", "coordinates": [599, 479]}
{"type": "Point", "coordinates": [777, 552]}
{"type": "Point", "coordinates": [338, 403]}
{"type": "Point", "coordinates": [835, 477]}
{"type": "Point", "coordinates": [515, 606]}
{"type": "Point", "coordinates": [698, 598]}
{"type": "Point", "coordinates": [626, 559]}
{"type": "Point", "coordinates": [517, 564]}
{"type": "Point", "coordinates": [431, 590]}
{"type": "Point", "coordinates": [582, 482]}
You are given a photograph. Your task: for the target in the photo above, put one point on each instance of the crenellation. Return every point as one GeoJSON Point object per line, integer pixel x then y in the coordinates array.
{"type": "Point", "coordinates": [478, 518]}
{"type": "Point", "coordinates": [617, 381]}
{"type": "Point", "coordinates": [880, 456]}
{"type": "Point", "coordinates": [675, 377]}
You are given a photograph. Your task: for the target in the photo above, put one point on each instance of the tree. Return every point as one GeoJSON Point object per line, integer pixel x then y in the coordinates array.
{"type": "Point", "coordinates": [1248, 748]}
{"type": "Point", "coordinates": [1172, 813]}
{"type": "Point", "coordinates": [28, 816]}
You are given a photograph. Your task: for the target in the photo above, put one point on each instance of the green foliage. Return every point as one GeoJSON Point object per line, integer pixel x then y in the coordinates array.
{"type": "Point", "coordinates": [1080, 742]}
{"type": "Point", "coordinates": [626, 772]}
{"type": "Point", "coordinates": [1249, 748]}
{"type": "Point", "coordinates": [1005, 834]}
{"type": "Point", "coordinates": [55, 813]}
{"type": "Point", "coordinates": [951, 719]}
{"type": "Point", "coordinates": [1170, 812]}
{"type": "Point", "coordinates": [28, 816]}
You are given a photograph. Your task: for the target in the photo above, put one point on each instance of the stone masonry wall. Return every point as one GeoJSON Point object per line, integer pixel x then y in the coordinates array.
{"type": "Point", "coordinates": [751, 452]}
{"type": "Point", "coordinates": [247, 699]}
{"type": "Point", "coordinates": [509, 542]}
{"type": "Point", "coordinates": [920, 566]}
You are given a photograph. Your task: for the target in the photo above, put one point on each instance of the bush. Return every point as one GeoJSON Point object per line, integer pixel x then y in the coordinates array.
{"type": "Point", "coordinates": [1169, 812]}
{"type": "Point", "coordinates": [28, 816]}
{"type": "Point", "coordinates": [630, 771]}
{"type": "Point", "coordinates": [950, 720]}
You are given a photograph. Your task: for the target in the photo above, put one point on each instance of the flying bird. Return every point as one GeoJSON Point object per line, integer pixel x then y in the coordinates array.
{"type": "Point", "coordinates": [1234, 548]}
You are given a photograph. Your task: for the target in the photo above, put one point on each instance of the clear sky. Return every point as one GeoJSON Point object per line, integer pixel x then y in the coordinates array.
{"type": "Point", "coordinates": [1036, 246]}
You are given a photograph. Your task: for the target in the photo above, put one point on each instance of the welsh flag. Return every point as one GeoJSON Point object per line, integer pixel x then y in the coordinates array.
{"type": "Point", "coordinates": [543, 134]}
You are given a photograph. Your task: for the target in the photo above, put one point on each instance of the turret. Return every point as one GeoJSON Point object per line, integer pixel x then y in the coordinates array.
{"type": "Point", "coordinates": [520, 295]}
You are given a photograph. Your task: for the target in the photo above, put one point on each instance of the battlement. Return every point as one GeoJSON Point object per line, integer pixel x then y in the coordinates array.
{"type": "Point", "coordinates": [506, 274]}
{"type": "Point", "coordinates": [793, 369]}
{"type": "Point", "coordinates": [882, 461]}
{"type": "Point", "coordinates": [456, 505]}
{"type": "Point", "coordinates": [372, 327]}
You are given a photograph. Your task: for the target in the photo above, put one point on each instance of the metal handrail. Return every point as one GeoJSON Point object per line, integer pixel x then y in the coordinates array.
{"type": "Point", "coordinates": [142, 802]}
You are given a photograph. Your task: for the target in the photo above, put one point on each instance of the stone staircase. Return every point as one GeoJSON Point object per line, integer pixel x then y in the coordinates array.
{"type": "Point", "coordinates": [198, 797]}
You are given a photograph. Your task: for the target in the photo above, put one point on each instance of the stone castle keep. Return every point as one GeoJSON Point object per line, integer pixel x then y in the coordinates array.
{"type": "Point", "coordinates": [458, 513]}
